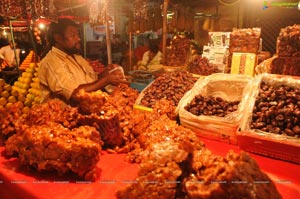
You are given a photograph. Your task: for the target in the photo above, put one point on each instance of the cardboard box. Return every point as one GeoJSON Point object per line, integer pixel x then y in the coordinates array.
{"type": "Point", "coordinates": [243, 63]}
{"type": "Point", "coordinates": [259, 144]}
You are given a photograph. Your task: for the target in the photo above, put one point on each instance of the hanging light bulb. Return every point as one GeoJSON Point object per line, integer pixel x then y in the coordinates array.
{"type": "Point", "coordinates": [41, 26]}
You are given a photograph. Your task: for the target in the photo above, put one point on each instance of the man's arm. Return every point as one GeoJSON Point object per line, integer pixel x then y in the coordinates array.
{"type": "Point", "coordinates": [114, 78]}
{"type": "Point", "coordinates": [2, 53]}
{"type": "Point", "coordinates": [3, 61]}
{"type": "Point", "coordinates": [60, 81]}
{"type": "Point", "coordinates": [18, 51]}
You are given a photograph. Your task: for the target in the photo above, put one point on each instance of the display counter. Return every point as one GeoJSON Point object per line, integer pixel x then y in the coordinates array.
{"type": "Point", "coordinates": [114, 173]}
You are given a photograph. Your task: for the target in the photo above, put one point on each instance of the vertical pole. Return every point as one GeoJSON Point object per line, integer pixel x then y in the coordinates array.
{"type": "Point", "coordinates": [13, 41]}
{"type": "Point", "coordinates": [130, 51]}
{"type": "Point", "coordinates": [84, 40]}
{"type": "Point", "coordinates": [107, 29]}
{"type": "Point", "coordinates": [165, 31]}
{"type": "Point", "coordinates": [32, 41]}
{"type": "Point", "coordinates": [135, 40]}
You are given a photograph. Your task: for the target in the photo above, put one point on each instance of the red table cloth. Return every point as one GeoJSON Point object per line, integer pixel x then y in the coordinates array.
{"type": "Point", "coordinates": [115, 173]}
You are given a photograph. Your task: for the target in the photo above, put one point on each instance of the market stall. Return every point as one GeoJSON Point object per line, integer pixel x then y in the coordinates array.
{"type": "Point", "coordinates": [15, 35]}
{"type": "Point", "coordinates": [192, 131]}
{"type": "Point", "coordinates": [106, 173]}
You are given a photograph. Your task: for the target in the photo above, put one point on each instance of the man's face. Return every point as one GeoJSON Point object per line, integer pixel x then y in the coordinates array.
{"type": "Point", "coordinates": [71, 40]}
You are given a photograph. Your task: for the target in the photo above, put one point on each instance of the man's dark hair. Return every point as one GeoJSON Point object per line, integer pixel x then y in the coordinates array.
{"type": "Point", "coordinates": [58, 27]}
{"type": "Point", "coordinates": [153, 47]}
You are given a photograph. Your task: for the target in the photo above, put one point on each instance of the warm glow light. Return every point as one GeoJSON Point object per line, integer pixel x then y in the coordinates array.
{"type": "Point", "coordinates": [41, 26]}
{"type": "Point", "coordinates": [4, 33]}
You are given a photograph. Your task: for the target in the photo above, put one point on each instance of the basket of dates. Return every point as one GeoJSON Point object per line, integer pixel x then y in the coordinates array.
{"type": "Point", "coordinates": [271, 123]}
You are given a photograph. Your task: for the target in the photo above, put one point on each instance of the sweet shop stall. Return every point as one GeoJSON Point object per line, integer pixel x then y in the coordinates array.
{"type": "Point", "coordinates": [203, 127]}
{"type": "Point", "coordinates": [14, 41]}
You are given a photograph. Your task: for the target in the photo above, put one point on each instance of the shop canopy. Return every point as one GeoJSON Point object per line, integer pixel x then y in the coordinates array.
{"type": "Point", "coordinates": [16, 9]}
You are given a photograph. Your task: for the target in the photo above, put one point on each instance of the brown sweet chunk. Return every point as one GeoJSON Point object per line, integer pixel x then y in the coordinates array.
{"type": "Point", "coordinates": [235, 176]}
{"type": "Point", "coordinates": [158, 173]}
{"type": "Point", "coordinates": [90, 102]}
{"type": "Point", "coordinates": [51, 146]}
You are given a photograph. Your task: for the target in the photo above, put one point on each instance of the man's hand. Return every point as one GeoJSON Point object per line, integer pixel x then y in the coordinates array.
{"type": "Point", "coordinates": [116, 77]}
{"type": "Point", "coordinates": [3, 63]}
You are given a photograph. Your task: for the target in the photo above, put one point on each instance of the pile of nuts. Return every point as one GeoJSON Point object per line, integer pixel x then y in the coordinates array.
{"type": "Point", "coordinates": [277, 110]}
{"type": "Point", "coordinates": [178, 52]}
{"type": "Point", "coordinates": [208, 106]}
{"type": "Point", "coordinates": [201, 66]}
{"type": "Point", "coordinates": [170, 86]}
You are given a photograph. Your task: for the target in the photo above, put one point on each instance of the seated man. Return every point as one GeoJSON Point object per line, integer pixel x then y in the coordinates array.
{"type": "Point", "coordinates": [151, 60]}
{"type": "Point", "coordinates": [9, 56]}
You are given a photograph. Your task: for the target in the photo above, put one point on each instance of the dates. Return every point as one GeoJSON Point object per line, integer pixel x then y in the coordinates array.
{"type": "Point", "coordinates": [178, 52]}
{"type": "Point", "coordinates": [170, 86]}
{"type": "Point", "coordinates": [217, 106]}
{"type": "Point", "coordinates": [277, 110]}
{"type": "Point", "coordinates": [201, 66]}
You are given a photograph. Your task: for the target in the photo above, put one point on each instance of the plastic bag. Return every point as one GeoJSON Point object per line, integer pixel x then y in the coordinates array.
{"type": "Point", "coordinates": [254, 88]}
{"type": "Point", "coordinates": [264, 66]}
{"type": "Point", "coordinates": [226, 86]}
{"type": "Point", "coordinates": [114, 68]}
{"type": "Point", "coordinates": [261, 142]}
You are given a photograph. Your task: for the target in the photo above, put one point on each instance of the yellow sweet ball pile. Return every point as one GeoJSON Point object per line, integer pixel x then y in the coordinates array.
{"type": "Point", "coordinates": [29, 59]}
{"type": "Point", "coordinates": [34, 92]}
{"type": "Point", "coordinates": [25, 90]}
{"type": "Point", "coordinates": [8, 97]}
{"type": "Point", "coordinates": [28, 84]}
{"type": "Point", "coordinates": [23, 83]}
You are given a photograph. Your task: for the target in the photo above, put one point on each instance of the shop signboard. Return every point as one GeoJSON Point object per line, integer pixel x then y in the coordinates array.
{"type": "Point", "coordinates": [100, 30]}
{"type": "Point", "coordinates": [219, 39]}
{"type": "Point", "coordinates": [216, 55]}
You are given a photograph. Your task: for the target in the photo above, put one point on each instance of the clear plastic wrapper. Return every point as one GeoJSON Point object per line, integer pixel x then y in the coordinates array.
{"type": "Point", "coordinates": [278, 145]}
{"type": "Point", "coordinates": [226, 86]}
{"type": "Point", "coordinates": [264, 66]}
{"type": "Point", "coordinates": [280, 66]}
{"type": "Point", "coordinates": [287, 44]}
{"type": "Point", "coordinates": [245, 40]}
